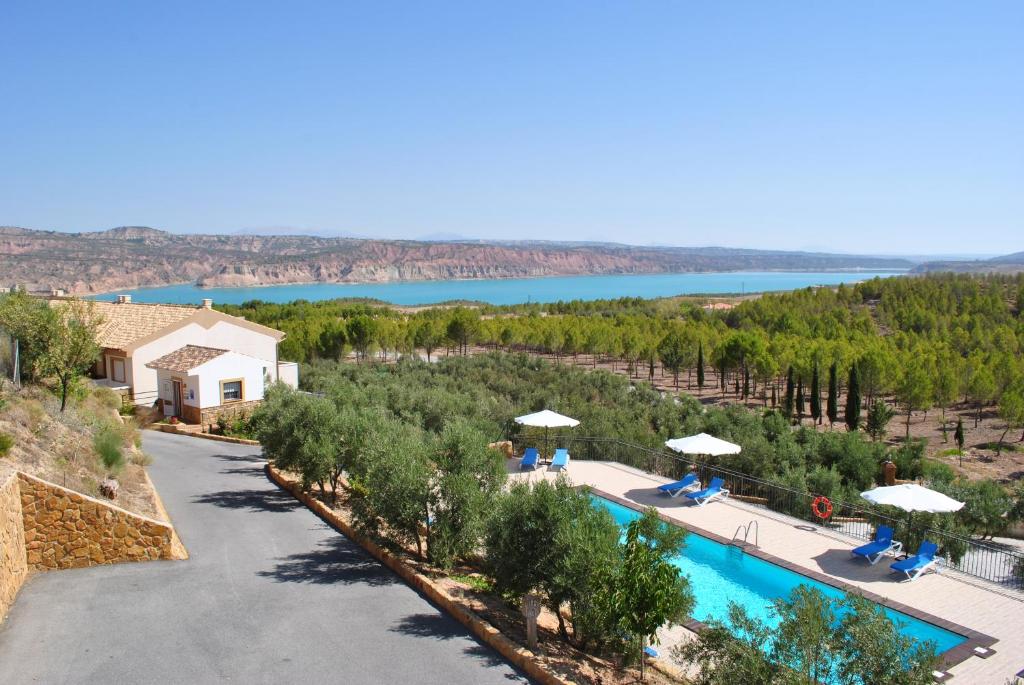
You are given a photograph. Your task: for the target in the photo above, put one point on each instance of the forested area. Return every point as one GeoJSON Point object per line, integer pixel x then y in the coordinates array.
{"type": "Point", "coordinates": [918, 344]}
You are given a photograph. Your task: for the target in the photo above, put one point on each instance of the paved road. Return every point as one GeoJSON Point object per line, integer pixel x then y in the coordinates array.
{"type": "Point", "coordinates": [270, 595]}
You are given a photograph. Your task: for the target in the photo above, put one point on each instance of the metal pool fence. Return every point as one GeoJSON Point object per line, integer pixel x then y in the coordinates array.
{"type": "Point", "coordinates": [985, 560]}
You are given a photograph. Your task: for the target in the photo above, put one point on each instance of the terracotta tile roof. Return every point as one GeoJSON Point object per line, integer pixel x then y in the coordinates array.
{"type": "Point", "coordinates": [124, 323]}
{"type": "Point", "coordinates": [186, 358]}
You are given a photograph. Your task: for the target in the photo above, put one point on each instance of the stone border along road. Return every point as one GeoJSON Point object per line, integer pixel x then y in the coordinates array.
{"type": "Point", "coordinates": [270, 594]}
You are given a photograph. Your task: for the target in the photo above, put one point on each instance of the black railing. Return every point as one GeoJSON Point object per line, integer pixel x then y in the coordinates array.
{"type": "Point", "coordinates": [148, 398]}
{"type": "Point", "coordinates": [988, 561]}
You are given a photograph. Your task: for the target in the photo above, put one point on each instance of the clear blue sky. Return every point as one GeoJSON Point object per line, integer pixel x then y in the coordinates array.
{"type": "Point", "coordinates": [868, 127]}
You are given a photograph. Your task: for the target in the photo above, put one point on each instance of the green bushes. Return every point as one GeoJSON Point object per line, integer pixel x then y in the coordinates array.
{"type": "Point", "coordinates": [6, 443]}
{"type": "Point", "coordinates": [849, 642]}
{"type": "Point", "coordinates": [108, 444]}
{"type": "Point", "coordinates": [550, 540]}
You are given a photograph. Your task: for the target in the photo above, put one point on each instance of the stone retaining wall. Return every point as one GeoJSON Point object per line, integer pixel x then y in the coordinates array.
{"type": "Point", "coordinates": [13, 566]}
{"type": "Point", "coordinates": [66, 529]}
{"type": "Point", "coordinates": [209, 416]}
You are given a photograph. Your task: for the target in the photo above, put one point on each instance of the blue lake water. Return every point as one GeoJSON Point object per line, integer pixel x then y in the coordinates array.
{"type": "Point", "coordinates": [511, 291]}
{"type": "Point", "coordinates": [722, 573]}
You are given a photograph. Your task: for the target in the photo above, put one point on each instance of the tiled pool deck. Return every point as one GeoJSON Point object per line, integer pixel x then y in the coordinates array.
{"type": "Point", "coordinates": [959, 602]}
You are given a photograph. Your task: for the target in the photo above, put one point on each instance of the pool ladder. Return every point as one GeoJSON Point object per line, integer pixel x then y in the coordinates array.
{"type": "Point", "coordinates": [746, 530]}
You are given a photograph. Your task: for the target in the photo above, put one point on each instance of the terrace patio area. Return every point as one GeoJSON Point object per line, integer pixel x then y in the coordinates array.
{"type": "Point", "coordinates": [955, 598]}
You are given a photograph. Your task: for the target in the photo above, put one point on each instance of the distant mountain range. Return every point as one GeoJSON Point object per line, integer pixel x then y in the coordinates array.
{"type": "Point", "coordinates": [139, 256]}
{"type": "Point", "coordinates": [1011, 263]}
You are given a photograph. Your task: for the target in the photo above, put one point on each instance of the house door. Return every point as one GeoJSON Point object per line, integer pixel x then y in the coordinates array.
{"type": "Point", "coordinates": [176, 388]}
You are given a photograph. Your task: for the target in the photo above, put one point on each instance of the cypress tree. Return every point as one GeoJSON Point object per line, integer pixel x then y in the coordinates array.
{"type": "Point", "coordinates": [746, 382]}
{"type": "Point", "coordinates": [832, 406]}
{"type": "Point", "coordinates": [816, 395]}
{"type": "Point", "coordinates": [799, 400]}
{"type": "Point", "coordinates": [700, 366]}
{"type": "Point", "coordinates": [787, 400]}
{"type": "Point", "coordinates": [958, 435]}
{"type": "Point", "coordinates": [853, 400]}
{"type": "Point", "coordinates": [775, 396]}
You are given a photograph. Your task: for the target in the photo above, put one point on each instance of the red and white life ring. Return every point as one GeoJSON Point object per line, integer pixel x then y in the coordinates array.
{"type": "Point", "coordinates": [822, 507]}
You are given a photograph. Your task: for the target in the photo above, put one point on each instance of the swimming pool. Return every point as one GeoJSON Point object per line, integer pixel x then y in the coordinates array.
{"type": "Point", "coordinates": [722, 573]}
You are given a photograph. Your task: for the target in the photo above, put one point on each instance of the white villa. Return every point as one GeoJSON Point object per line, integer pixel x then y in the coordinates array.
{"type": "Point", "coordinates": [192, 362]}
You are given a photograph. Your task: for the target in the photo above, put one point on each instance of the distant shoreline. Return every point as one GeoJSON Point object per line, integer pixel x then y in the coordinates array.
{"type": "Point", "coordinates": [506, 291]}
{"type": "Point", "coordinates": [194, 284]}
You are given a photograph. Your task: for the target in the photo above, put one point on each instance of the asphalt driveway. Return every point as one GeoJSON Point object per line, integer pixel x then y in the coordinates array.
{"type": "Point", "coordinates": [270, 594]}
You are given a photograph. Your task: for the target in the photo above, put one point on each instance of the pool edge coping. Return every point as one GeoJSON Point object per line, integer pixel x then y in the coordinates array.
{"type": "Point", "coordinates": [948, 659]}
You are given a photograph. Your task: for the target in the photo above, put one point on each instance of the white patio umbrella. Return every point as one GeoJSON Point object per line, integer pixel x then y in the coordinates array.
{"type": "Point", "coordinates": [912, 497]}
{"type": "Point", "coordinates": [547, 419]}
{"type": "Point", "coordinates": [702, 443]}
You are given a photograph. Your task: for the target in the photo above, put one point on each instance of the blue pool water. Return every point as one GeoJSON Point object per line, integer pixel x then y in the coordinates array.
{"type": "Point", "coordinates": [510, 291]}
{"type": "Point", "coordinates": [723, 573]}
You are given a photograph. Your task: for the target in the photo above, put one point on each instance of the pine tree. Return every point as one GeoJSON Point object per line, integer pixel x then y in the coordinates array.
{"type": "Point", "coordinates": [816, 395]}
{"type": "Point", "coordinates": [832, 405]}
{"type": "Point", "coordinates": [700, 366]}
{"type": "Point", "coordinates": [787, 401]}
{"type": "Point", "coordinates": [853, 400]}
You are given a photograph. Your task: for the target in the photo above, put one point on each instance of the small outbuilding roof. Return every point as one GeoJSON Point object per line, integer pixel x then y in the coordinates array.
{"type": "Point", "coordinates": [186, 358]}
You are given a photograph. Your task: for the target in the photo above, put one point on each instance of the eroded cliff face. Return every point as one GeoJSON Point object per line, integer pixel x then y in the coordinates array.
{"type": "Point", "coordinates": [132, 257]}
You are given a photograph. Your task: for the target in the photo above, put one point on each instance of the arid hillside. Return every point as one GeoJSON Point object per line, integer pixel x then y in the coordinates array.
{"type": "Point", "coordinates": [137, 256]}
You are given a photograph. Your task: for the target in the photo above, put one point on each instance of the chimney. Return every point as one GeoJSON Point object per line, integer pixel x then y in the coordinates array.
{"type": "Point", "coordinates": [889, 469]}
{"type": "Point", "coordinates": [124, 299]}
{"type": "Point", "coordinates": [207, 303]}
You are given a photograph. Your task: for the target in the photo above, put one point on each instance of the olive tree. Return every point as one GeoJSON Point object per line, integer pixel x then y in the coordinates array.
{"type": "Point", "coordinates": [468, 477]}
{"type": "Point", "coordinates": [392, 484]}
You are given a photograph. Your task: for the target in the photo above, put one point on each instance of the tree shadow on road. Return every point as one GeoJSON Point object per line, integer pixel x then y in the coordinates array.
{"type": "Point", "coordinates": [441, 627]}
{"type": "Point", "coordinates": [255, 500]}
{"type": "Point", "coordinates": [254, 471]}
{"type": "Point", "coordinates": [255, 457]}
{"type": "Point", "coordinates": [335, 561]}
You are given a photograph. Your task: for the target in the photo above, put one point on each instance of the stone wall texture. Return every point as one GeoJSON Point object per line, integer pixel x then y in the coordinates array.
{"type": "Point", "coordinates": [210, 415]}
{"type": "Point", "coordinates": [13, 566]}
{"type": "Point", "coordinates": [65, 529]}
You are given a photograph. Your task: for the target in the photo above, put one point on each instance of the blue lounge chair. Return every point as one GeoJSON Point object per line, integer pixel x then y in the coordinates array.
{"type": "Point", "coordinates": [920, 562]}
{"type": "Point", "coordinates": [689, 482]}
{"type": "Point", "coordinates": [530, 458]}
{"type": "Point", "coordinates": [710, 493]}
{"type": "Point", "coordinates": [560, 460]}
{"type": "Point", "coordinates": [883, 543]}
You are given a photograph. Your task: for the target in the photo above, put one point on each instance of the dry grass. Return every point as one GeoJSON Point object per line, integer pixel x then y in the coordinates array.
{"type": "Point", "coordinates": [58, 447]}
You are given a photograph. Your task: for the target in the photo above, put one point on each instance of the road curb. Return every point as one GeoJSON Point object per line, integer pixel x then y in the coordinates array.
{"type": "Point", "coordinates": [519, 656]}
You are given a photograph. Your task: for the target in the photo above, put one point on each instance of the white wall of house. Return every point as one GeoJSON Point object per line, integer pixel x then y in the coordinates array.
{"type": "Point", "coordinates": [288, 373]}
{"type": "Point", "coordinates": [222, 334]}
{"type": "Point", "coordinates": [231, 366]}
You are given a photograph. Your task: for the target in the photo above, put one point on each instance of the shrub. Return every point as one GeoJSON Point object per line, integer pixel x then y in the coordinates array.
{"type": "Point", "coordinates": [109, 447]}
{"type": "Point", "coordinates": [818, 639]}
{"type": "Point", "coordinates": [6, 443]}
